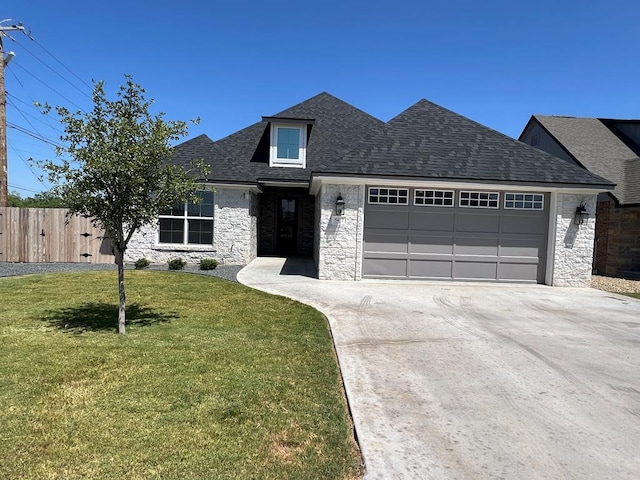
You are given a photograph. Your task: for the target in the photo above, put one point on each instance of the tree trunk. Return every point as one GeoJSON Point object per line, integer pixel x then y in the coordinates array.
{"type": "Point", "coordinates": [123, 298]}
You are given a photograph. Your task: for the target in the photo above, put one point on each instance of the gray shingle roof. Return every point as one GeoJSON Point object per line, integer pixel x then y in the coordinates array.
{"type": "Point", "coordinates": [429, 141]}
{"type": "Point", "coordinates": [223, 168]}
{"type": "Point", "coordinates": [596, 145]}
{"type": "Point", "coordinates": [338, 126]}
{"type": "Point", "coordinates": [425, 141]}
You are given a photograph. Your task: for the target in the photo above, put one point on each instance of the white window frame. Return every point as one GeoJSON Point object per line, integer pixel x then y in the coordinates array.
{"type": "Point", "coordinates": [433, 197]}
{"type": "Point", "coordinates": [301, 161]}
{"type": "Point", "coordinates": [401, 194]}
{"type": "Point", "coordinates": [535, 203]}
{"type": "Point", "coordinates": [480, 194]}
{"type": "Point", "coordinates": [185, 217]}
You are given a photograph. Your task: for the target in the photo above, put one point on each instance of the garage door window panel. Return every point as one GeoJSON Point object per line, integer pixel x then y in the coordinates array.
{"type": "Point", "coordinates": [384, 195]}
{"type": "Point", "coordinates": [524, 201]}
{"type": "Point", "coordinates": [433, 198]}
{"type": "Point", "coordinates": [470, 199]}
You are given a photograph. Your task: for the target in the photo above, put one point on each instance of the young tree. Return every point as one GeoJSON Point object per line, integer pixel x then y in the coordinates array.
{"type": "Point", "coordinates": [113, 167]}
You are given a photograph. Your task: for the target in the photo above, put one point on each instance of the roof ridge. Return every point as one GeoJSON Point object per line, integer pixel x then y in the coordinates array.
{"type": "Point", "coordinates": [332, 97]}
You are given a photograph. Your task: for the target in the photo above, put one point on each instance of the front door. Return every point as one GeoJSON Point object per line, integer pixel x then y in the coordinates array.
{"type": "Point", "coordinates": [287, 226]}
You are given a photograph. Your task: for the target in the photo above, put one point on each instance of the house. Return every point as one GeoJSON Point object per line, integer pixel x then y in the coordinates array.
{"type": "Point", "coordinates": [611, 149]}
{"type": "Point", "coordinates": [429, 194]}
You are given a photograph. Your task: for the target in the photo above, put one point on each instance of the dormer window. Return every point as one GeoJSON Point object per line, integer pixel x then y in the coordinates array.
{"type": "Point", "coordinates": [288, 143]}
{"type": "Point", "coordinates": [288, 146]}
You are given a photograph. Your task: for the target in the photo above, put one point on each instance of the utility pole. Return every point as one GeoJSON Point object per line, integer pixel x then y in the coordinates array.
{"type": "Point", "coordinates": [4, 187]}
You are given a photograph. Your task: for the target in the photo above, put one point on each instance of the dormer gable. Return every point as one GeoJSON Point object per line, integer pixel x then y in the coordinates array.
{"type": "Point", "coordinates": [288, 141]}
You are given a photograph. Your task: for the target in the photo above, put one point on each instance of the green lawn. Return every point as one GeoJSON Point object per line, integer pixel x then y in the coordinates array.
{"type": "Point", "coordinates": [213, 381]}
{"type": "Point", "coordinates": [634, 295]}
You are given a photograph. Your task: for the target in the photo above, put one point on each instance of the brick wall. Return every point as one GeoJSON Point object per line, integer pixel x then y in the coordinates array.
{"type": "Point", "coordinates": [623, 240]}
{"type": "Point", "coordinates": [603, 215]}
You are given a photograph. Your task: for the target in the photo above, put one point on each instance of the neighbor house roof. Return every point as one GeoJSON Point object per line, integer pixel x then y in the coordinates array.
{"type": "Point", "coordinates": [425, 141]}
{"type": "Point", "coordinates": [602, 148]}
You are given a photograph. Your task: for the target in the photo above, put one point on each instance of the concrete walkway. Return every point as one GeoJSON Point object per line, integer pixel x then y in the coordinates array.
{"type": "Point", "coordinates": [476, 381]}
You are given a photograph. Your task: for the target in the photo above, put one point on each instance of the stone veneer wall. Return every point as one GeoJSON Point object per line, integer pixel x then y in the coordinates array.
{"type": "Point", "coordinates": [339, 239]}
{"type": "Point", "coordinates": [234, 234]}
{"type": "Point", "coordinates": [574, 243]}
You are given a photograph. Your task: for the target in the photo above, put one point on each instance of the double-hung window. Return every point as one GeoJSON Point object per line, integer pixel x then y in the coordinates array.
{"type": "Point", "coordinates": [189, 223]}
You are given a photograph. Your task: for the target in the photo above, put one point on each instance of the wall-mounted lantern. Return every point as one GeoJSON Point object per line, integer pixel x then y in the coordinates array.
{"type": "Point", "coordinates": [339, 205]}
{"type": "Point", "coordinates": [581, 214]}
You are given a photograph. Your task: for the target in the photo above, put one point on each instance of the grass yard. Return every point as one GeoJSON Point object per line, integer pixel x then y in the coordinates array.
{"type": "Point", "coordinates": [213, 381]}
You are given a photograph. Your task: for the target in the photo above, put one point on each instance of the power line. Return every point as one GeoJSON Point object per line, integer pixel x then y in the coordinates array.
{"type": "Point", "coordinates": [18, 187]}
{"type": "Point", "coordinates": [34, 135]}
{"type": "Point", "coordinates": [10, 102]}
{"type": "Point", "coordinates": [25, 115]}
{"type": "Point", "coordinates": [56, 72]}
{"type": "Point", "coordinates": [28, 166]}
{"type": "Point", "coordinates": [48, 86]}
{"type": "Point", "coordinates": [42, 119]}
{"type": "Point", "coordinates": [60, 62]}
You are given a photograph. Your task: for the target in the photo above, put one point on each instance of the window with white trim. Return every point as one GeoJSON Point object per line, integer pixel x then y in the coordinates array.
{"type": "Point", "coordinates": [396, 196]}
{"type": "Point", "coordinates": [524, 201]}
{"type": "Point", "coordinates": [470, 199]}
{"type": "Point", "coordinates": [435, 198]}
{"type": "Point", "coordinates": [288, 146]}
{"type": "Point", "coordinates": [188, 224]}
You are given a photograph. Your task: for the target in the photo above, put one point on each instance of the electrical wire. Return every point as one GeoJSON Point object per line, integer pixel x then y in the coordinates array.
{"type": "Point", "coordinates": [42, 119]}
{"type": "Point", "coordinates": [46, 85]}
{"type": "Point", "coordinates": [25, 115]}
{"type": "Point", "coordinates": [17, 187]}
{"type": "Point", "coordinates": [56, 72]}
{"type": "Point", "coordinates": [60, 62]}
{"type": "Point", "coordinates": [28, 166]}
{"type": "Point", "coordinates": [34, 135]}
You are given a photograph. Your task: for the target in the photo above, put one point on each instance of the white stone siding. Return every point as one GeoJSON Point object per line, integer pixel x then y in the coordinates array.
{"type": "Point", "coordinates": [339, 251]}
{"type": "Point", "coordinates": [316, 232]}
{"type": "Point", "coordinates": [234, 235]}
{"type": "Point", "coordinates": [573, 257]}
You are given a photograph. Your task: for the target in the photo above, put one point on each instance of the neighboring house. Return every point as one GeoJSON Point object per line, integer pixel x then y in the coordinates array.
{"type": "Point", "coordinates": [608, 148]}
{"type": "Point", "coordinates": [427, 195]}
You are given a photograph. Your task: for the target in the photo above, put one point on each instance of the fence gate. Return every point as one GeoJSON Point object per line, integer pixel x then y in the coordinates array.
{"type": "Point", "coordinates": [34, 235]}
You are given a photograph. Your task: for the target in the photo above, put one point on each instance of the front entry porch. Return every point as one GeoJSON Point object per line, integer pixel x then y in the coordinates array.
{"type": "Point", "coordinates": [286, 222]}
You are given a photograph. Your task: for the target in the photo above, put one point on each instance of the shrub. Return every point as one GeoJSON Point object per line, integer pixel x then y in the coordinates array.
{"type": "Point", "coordinates": [208, 264]}
{"type": "Point", "coordinates": [176, 264]}
{"type": "Point", "coordinates": [142, 263]}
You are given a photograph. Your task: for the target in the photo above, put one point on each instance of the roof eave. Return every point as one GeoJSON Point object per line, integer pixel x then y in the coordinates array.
{"type": "Point", "coordinates": [317, 178]}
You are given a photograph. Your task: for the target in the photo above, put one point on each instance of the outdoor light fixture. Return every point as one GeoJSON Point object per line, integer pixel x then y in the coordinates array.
{"type": "Point", "coordinates": [339, 205]}
{"type": "Point", "coordinates": [581, 214]}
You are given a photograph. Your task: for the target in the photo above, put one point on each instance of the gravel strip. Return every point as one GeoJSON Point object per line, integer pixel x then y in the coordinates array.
{"type": "Point", "coordinates": [7, 269]}
{"type": "Point", "coordinates": [615, 285]}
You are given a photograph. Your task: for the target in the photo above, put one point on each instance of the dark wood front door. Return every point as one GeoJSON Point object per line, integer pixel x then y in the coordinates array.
{"type": "Point", "coordinates": [287, 226]}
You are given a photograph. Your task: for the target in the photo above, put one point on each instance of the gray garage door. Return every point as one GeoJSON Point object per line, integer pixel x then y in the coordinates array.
{"type": "Point", "coordinates": [455, 234]}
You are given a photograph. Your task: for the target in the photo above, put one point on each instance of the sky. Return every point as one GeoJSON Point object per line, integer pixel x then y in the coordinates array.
{"type": "Point", "coordinates": [230, 63]}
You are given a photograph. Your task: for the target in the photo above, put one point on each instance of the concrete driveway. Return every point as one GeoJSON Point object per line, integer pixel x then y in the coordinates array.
{"type": "Point", "coordinates": [469, 381]}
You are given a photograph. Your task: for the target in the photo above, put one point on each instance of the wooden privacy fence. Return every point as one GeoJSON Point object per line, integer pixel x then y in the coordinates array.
{"type": "Point", "coordinates": [36, 235]}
